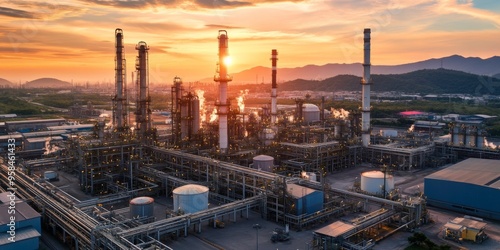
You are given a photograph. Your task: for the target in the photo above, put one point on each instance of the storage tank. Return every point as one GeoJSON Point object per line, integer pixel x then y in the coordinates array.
{"type": "Point", "coordinates": [190, 198]}
{"type": "Point", "coordinates": [388, 133]}
{"type": "Point", "coordinates": [310, 112]}
{"type": "Point", "coordinates": [263, 162]}
{"type": "Point", "coordinates": [141, 207]}
{"type": "Point", "coordinates": [373, 182]}
{"type": "Point", "coordinates": [50, 175]}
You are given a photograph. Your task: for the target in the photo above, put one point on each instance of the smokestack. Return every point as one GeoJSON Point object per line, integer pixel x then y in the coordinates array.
{"type": "Point", "coordinates": [366, 82]}
{"type": "Point", "coordinates": [274, 102]}
{"type": "Point", "coordinates": [119, 114]}
{"type": "Point", "coordinates": [223, 78]}
{"type": "Point", "coordinates": [143, 113]}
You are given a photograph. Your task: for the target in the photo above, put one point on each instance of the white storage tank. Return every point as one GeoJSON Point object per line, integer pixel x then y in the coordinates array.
{"type": "Point", "coordinates": [310, 112]}
{"type": "Point", "coordinates": [263, 163]}
{"type": "Point", "coordinates": [190, 198]}
{"type": "Point", "coordinates": [373, 182]}
{"type": "Point", "coordinates": [141, 207]}
{"type": "Point", "coordinates": [388, 133]}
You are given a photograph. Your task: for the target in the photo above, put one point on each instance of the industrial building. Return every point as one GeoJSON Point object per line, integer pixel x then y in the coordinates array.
{"type": "Point", "coordinates": [471, 187]}
{"type": "Point", "coordinates": [27, 225]}
{"type": "Point", "coordinates": [32, 125]}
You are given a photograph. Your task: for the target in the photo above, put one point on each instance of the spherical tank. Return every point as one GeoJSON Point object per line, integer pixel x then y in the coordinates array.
{"type": "Point", "coordinates": [373, 182]}
{"type": "Point", "coordinates": [190, 198]}
{"type": "Point", "coordinates": [263, 162]}
{"type": "Point", "coordinates": [141, 207]}
{"type": "Point", "coordinates": [310, 112]}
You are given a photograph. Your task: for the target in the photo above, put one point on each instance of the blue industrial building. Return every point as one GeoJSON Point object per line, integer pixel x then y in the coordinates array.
{"type": "Point", "coordinates": [28, 227]}
{"type": "Point", "coordinates": [305, 200]}
{"type": "Point", "coordinates": [471, 187]}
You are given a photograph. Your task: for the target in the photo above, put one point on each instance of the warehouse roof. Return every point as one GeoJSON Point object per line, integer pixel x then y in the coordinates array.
{"type": "Point", "coordinates": [23, 212]}
{"type": "Point", "coordinates": [34, 121]}
{"type": "Point", "coordinates": [483, 172]}
{"type": "Point", "coordinates": [298, 191]}
{"type": "Point", "coordinates": [21, 234]}
{"type": "Point", "coordinates": [335, 229]}
{"type": "Point", "coordinates": [473, 224]}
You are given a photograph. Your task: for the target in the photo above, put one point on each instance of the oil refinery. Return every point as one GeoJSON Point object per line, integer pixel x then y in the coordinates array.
{"type": "Point", "coordinates": [125, 185]}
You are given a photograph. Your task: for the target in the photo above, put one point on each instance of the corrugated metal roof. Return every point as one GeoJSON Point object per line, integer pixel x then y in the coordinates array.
{"type": "Point", "coordinates": [23, 212]}
{"type": "Point", "coordinates": [21, 234]}
{"type": "Point", "coordinates": [483, 172]}
{"type": "Point", "coordinates": [474, 224]}
{"type": "Point", "coordinates": [335, 229]}
{"type": "Point", "coordinates": [34, 121]}
{"type": "Point", "coordinates": [453, 226]}
{"type": "Point", "coordinates": [5, 198]}
{"type": "Point", "coordinates": [299, 191]}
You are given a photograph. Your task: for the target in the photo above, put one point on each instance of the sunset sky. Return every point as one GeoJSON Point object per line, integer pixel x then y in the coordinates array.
{"type": "Point", "coordinates": [74, 39]}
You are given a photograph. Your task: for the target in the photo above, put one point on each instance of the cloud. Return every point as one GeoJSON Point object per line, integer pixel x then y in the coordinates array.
{"type": "Point", "coordinates": [221, 4]}
{"type": "Point", "coordinates": [183, 4]}
{"type": "Point", "coordinates": [136, 4]}
{"type": "Point", "coordinates": [219, 26]}
{"type": "Point", "coordinates": [44, 10]}
{"type": "Point", "coordinates": [17, 13]}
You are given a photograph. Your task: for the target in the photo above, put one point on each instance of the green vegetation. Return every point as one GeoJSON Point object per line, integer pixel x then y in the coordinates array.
{"type": "Point", "coordinates": [428, 81]}
{"type": "Point", "coordinates": [65, 100]}
{"type": "Point", "coordinates": [11, 102]}
{"type": "Point", "coordinates": [160, 101]}
{"type": "Point", "coordinates": [420, 241]}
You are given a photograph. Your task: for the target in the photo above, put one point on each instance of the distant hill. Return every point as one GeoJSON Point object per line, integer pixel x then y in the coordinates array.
{"type": "Point", "coordinates": [48, 83]}
{"type": "Point", "coordinates": [428, 81]}
{"type": "Point", "coordinates": [6, 84]}
{"type": "Point", "coordinates": [473, 65]}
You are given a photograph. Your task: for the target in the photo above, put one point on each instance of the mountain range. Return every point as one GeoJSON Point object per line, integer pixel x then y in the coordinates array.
{"type": "Point", "coordinates": [48, 83]}
{"type": "Point", "coordinates": [5, 83]}
{"type": "Point", "coordinates": [426, 81]}
{"type": "Point", "coordinates": [473, 65]}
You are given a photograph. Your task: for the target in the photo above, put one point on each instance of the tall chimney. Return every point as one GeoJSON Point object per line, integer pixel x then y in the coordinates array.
{"type": "Point", "coordinates": [119, 114]}
{"type": "Point", "coordinates": [274, 102]}
{"type": "Point", "coordinates": [143, 112]}
{"type": "Point", "coordinates": [223, 78]}
{"type": "Point", "coordinates": [366, 82]}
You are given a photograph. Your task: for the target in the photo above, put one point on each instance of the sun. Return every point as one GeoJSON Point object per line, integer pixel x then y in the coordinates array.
{"type": "Point", "coordinates": [228, 61]}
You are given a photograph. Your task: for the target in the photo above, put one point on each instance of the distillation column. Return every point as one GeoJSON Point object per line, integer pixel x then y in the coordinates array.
{"type": "Point", "coordinates": [143, 112]}
{"type": "Point", "coordinates": [223, 78]}
{"type": "Point", "coordinates": [366, 82]}
{"type": "Point", "coordinates": [119, 114]}
{"type": "Point", "coordinates": [176, 93]}
{"type": "Point", "coordinates": [274, 101]}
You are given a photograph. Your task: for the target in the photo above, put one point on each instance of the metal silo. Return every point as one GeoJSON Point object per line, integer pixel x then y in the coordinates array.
{"type": "Point", "coordinates": [263, 162]}
{"type": "Point", "coordinates": [141, 207]}
{"type": "Point", "coordinates": [373, 182]}
{"type": "Point", "coordinates": [190, 198]}
{"type": "Point", "coordinates": [310, 112]}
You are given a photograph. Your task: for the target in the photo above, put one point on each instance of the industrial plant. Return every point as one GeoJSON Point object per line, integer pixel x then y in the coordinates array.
{"type": "Point", "coordinates": [215, 163]}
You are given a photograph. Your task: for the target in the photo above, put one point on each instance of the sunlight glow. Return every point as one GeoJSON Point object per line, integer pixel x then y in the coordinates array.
{"type": "Point", "coordinates": [228, 61]}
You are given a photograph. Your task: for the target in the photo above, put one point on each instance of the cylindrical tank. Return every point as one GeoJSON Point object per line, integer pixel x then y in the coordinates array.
{"type": "Point", "coordinates": [388, 133]}
{"type": "Point", "coordinates": [263, 162]}
{"type": "Point", "coordinates": [50, 175]}
{"type": "Point", "coordinates": [141, 207]}
{"type": "Point", "coordinates": [310, 112]}
{"type": "Point", "coordinates": [190, 198]}
{"type": "Point", "coordinates": [373, 182]}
